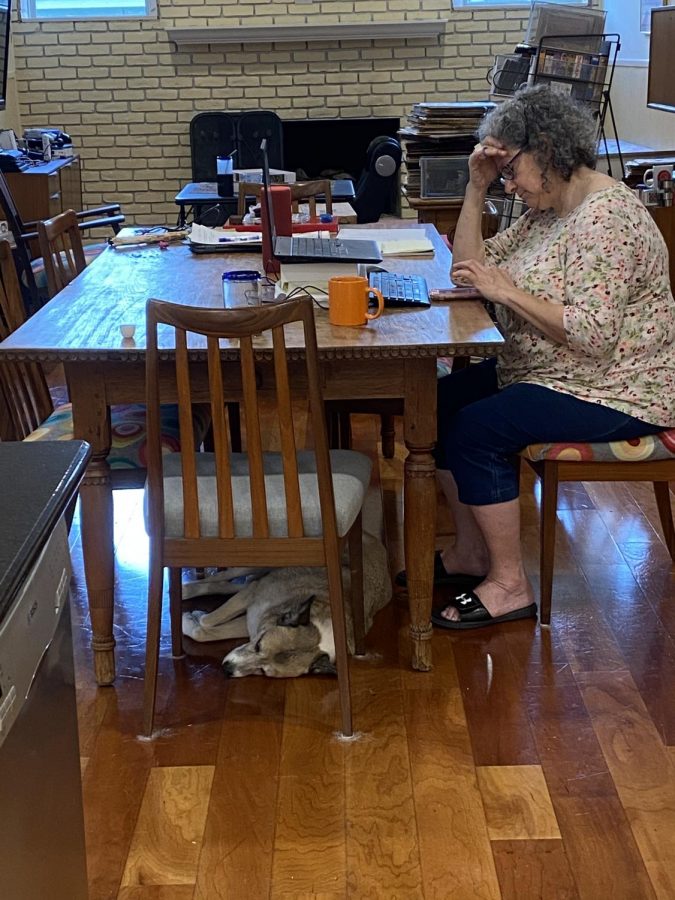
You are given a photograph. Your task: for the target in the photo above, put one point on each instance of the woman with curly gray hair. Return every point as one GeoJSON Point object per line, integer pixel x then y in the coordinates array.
{"type": "Point", "coordinates": [582, 296]}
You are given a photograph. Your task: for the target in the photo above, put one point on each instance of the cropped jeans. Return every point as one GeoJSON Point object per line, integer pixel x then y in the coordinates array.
{"type": "Point", "coordinates": [481, 429]}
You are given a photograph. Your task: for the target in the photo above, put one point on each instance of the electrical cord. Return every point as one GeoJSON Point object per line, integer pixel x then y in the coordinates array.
{"type": "Point", "coordinates": [299, 291]}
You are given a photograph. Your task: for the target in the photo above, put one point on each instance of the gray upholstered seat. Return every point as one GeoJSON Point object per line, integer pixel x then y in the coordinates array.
{"type": "Point", "coordinates": [351, 476]}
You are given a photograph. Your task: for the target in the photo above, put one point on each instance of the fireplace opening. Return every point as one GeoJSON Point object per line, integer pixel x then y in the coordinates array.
{"type": "Point", "coordinates": [332, 148]}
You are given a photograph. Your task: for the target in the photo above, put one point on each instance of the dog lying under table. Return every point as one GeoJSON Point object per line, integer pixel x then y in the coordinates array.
{"type": "Point", "coordinates": [284, 613]}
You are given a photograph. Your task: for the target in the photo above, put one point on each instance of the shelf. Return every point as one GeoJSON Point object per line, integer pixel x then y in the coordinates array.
{"type": "Point", "coordinates": [336, 31]}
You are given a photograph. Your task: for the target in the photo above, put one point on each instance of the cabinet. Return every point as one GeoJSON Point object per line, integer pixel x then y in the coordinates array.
{"type": "Point", "coordinates": [443, 214]}
{"type": "Point", "coordinates": [47, 189]}
{"type": "Point", "coordinates": [664, 216]}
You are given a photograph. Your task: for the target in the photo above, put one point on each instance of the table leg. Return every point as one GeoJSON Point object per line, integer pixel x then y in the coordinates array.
{"type": "Point", "coordinates": [91, 420]}
{"type": "Point", "coordinates": [420, 503]}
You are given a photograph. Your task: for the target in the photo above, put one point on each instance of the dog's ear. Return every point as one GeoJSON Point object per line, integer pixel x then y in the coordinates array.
{"type": "Point", "coordinates": [298, 614]}
{"type": "Point", "coordinates": [322, 666]}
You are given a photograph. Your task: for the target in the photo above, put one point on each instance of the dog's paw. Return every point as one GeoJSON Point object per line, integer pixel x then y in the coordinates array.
{"type": "Point", "coordinates": [191, 625]}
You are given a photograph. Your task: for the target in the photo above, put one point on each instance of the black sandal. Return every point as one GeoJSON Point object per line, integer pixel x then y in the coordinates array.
{"type": "Point", "coordinates": [473, 614]}
{"type": "Point", "coordinates": [458, 580]}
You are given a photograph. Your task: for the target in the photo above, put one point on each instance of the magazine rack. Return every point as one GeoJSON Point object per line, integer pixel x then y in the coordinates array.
{"type": "Point", "coordinates": [582, 66]}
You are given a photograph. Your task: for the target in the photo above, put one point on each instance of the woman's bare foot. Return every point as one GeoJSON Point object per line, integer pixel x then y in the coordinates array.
{"type": "Point", "coordinates": [473, 561]}
{"type": "Point", "coordinates": [498, 598]}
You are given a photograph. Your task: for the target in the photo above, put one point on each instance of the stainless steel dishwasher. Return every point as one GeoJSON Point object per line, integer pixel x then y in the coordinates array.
{"type": "Point", "coordinates": [42, 849]}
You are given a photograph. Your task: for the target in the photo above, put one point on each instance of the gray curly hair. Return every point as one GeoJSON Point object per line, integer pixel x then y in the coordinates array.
{"type": "Point", "coordinates": [560, 133]}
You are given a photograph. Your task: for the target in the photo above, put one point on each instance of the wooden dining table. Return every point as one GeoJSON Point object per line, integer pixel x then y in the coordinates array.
{"type": "Point", "coordinates": [393, 356]}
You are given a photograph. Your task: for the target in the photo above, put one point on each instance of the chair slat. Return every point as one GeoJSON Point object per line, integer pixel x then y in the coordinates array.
{"type": "Point", "coordinates": [254, 440]}
{"type": "Point", "coordinates": [187, 440]}
{"type": "Point", "coordinates": [287, 434]}
{"type": "Point", "coordinates": [221, 442]}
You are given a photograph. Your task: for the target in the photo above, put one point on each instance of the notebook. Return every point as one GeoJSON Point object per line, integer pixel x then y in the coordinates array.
{"type": "Point", "coordinates": [303, 249]}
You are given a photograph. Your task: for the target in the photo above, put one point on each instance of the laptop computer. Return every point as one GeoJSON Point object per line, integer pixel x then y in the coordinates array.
{"type": "Point", "coordinates": [303, 249]}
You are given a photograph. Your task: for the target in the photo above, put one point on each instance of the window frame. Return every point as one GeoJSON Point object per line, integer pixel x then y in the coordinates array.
{"type": "Point", "coordinates": [465, 5]}
{"type": "Point", "coordinates": [28, 13]}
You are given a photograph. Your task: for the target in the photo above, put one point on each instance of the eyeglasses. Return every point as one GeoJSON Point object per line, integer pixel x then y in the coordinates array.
{"type": "Point", "coordinates": [507, 173]}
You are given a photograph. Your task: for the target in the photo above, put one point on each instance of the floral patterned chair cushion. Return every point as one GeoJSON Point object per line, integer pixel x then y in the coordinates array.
{"type": "Point", "coordinates": [650, 448]}
{"type": "Point", "coordinates": [128, 429]}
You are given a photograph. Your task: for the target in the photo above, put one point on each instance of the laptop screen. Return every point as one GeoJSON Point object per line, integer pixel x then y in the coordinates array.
{"type": "Point", "coordinates": [272, 230]}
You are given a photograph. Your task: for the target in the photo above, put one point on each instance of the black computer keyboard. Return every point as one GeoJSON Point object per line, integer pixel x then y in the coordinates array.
{"type": "Point", "coordinates": [317, 247]}
{"type": "Point", "coordinates": [400, 290]}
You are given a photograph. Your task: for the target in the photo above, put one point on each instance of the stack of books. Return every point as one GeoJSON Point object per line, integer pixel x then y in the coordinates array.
{"type": "Point", "coordinates": [438, 130]}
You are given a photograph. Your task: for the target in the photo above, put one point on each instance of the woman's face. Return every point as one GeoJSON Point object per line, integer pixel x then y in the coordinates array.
{"type": "Point", "coordinates": [522, 175]}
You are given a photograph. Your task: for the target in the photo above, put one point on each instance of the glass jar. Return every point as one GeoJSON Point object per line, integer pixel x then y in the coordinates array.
{"type": "Point", "coordinates": [241, 287]}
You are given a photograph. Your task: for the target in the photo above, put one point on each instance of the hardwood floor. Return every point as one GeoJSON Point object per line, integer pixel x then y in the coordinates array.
{"type": "Point", "coordinates": [530, 763]}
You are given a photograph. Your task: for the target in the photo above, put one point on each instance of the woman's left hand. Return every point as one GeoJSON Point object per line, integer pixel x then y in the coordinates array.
{"type": "Point", "coordinates": [493, 283]}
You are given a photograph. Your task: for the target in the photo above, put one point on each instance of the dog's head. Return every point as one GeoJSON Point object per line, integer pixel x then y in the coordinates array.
{"type": "Point", "coordinates": [287, 644]}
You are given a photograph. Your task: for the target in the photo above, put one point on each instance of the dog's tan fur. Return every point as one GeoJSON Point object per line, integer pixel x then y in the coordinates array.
{"type": "Point", "coordinates": [285, 613]}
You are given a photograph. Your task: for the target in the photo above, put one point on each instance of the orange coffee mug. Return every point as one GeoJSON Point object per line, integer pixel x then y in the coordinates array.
{"type": "Point", "coordinates": [348, 297]}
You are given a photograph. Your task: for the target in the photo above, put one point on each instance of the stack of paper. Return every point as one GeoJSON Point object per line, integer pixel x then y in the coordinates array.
{"type": "Point", "coordinates": [312, 276]}
{"type": "Point", "coordinates": [201, 234]}
{"type": "Point", "coordinates": [394, 241]}
{"type": "Point", "coordinates": [415, 247]}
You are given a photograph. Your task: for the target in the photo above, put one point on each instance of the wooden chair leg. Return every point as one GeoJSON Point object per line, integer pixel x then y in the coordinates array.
{"type": "Point", "coordinates": [549, 507]}
{"type": "Point", "coordinates": [155, 591]}
{"type": "Point", "coordinates": [235, 430]}
{"type": "Point", "coordinates": [356, 576]}
{"type": "Point", "coordinates": [337, 611]}
{"type": "Point", "coordinates": [235, 426]}
{"type": "Point", "coordinates": [333, 428]}
{"type": "Point", "coordinates": [345, 427]}
{"type": "Point", "coordinates": [176, 612]}
{"type": "Point", "coordinates": [387, 436]}
{"type": "Point", "coordinates": [662, 492]}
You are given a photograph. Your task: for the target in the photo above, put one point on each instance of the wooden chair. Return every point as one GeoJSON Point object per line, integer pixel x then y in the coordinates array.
{"type": "Point", "coordinates": [28, 411]}
{"type": "Point", "coordinates": [62, 250]}
{"type": "Point", "coordinates": [300, 191]}
{"type": "Point", "coordinates": [255, 509]}
{"type": "Point", "coordinates": [25, 236]}
{"type": "Point", "coordinates": [650, 458]}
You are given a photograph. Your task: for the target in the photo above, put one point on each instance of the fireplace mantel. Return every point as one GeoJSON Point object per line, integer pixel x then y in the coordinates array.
{"type": "Point", "coordinates": [336, 31]}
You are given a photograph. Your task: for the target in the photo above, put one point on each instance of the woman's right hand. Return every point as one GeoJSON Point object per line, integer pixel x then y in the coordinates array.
{"type": "Point", "coordinates": [485, 164]}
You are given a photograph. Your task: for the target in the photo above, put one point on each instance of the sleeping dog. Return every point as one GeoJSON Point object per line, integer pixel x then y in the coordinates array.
{"type": "Point", "coordinates": [285, 614]}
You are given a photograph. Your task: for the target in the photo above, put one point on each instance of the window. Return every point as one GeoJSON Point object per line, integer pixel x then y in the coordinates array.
{"type": "Point", "coordinates": [480, 4]}
{"type": "Point", "coordinates": [87, 9]}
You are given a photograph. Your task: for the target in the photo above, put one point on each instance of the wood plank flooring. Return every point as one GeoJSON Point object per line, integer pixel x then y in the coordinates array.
{"type": "Point", "coordinates": [531, 764]}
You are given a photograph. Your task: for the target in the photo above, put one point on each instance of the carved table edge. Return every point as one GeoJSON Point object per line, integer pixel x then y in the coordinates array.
{"type": "Point", "coordinates": [262, 353]}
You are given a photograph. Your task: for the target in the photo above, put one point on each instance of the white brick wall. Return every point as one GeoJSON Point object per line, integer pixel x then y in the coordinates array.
{"type": "Point", "coordinates": [126, 94]}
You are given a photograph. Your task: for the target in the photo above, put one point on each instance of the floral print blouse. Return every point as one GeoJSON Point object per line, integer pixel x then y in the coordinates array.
{"type": "Point", "coordinates": [607, 264]}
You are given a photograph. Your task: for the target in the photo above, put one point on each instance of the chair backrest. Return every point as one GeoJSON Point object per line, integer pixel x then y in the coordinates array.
{"type": "Point", "coordinates": [301, 191]}
{"type": "Point", "coordinates": [62, 250]}
{"type": "Point", "coordinates": [218, 133]}
{"type": "Point", "coordinates": [22, 252]}
{"type": "Point", "coordinates": [205, 328]}
{"type": "Point", "coordinates": [24, 388]}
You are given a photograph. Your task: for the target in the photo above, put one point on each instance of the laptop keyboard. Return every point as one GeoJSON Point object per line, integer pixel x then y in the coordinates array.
{"type": "Point", "coordinates": [317, 247]}
{"type": "Point", "coordinates": [401, 290]}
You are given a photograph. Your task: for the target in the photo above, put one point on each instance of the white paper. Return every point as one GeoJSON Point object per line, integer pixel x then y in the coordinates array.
{"type": "Point", "coordinates": [313, 276]}
{"type": "Point", "coordinates": [382, 234]}
{"type": "Point", "coordinates": [423, 246]}
{"type": "Point", "coordinates": [201, 234]}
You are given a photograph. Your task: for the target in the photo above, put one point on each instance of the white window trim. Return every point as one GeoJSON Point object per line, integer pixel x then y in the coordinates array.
{"type": "Point", "coordinates": [27, 13]}
{"type": "Point", "coordinates": [509, 4]}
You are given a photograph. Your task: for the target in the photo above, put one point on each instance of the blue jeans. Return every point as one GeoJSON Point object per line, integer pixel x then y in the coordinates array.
{"type": "Point", "coordinates": [481, 429]}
